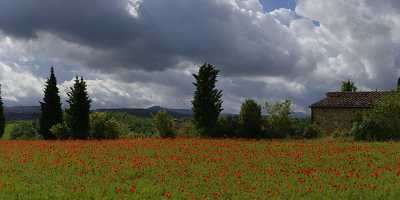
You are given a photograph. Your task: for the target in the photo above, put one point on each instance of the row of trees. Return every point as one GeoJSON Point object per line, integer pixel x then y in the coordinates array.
{"type": "Point", "coordinates": [207, 106]}
{"type": "Point", "coordinates": [76, 122]}
{"type": "Point", "coordinates": [76, 117]}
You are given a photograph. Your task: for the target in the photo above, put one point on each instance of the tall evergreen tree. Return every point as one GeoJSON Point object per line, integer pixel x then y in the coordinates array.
{"type": "Point", "coordinates": [207, 102]}
{"type": "Point", "coordinates": [250, 119]}
{"type": "Point", "coordinates": [398, 85]}
{"type": "Point", "coordinates": [51, 107]}
{"type": "Point", "coordinates": [2, 118]}
{"type": "Point", "coordinates": [79, 109]}
{"type": "Point", "coordinates": [348, 86]}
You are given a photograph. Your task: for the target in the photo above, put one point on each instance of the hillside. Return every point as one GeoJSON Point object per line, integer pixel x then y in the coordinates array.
{"type": "Point", "coordinates": [22, 113]}
{"type": "Point", "coordinates": [148, 112]}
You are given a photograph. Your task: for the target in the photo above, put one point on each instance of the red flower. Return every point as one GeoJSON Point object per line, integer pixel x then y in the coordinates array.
{"type": "Point", "coordinates": [167, 195]}
{"type": "Point", "coordinates": [133, 189]}
{"type": "Point", "coordinates": [118, 189]}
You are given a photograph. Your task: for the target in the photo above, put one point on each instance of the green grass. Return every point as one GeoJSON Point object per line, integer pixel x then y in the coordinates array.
{"type": "Point", "coordinates": [9, 127]}
{"type": "Point", "coordinates": [199, 169]}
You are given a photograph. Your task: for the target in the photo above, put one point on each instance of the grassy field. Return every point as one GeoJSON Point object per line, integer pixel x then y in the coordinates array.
{"type": "Point", "coordinates": [9, 127]}
{"type": "Point", "coordinates": [199, 169]}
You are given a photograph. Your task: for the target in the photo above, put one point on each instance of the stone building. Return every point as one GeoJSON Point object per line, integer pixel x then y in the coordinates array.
{"type": "Point", "coordinates": [338, 111]}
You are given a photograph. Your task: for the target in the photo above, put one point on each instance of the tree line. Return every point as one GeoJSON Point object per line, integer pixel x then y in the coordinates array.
{"type": "Point", "coordinates": [76, 121]}
{"type": "Point", "coordinates": [52, 113]}
{"type": "Point", "coordinates": [207, 107]}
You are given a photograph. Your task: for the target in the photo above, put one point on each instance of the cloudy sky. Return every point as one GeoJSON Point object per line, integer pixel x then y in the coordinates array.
{"type": "Point", "coordinates": [140, 53]}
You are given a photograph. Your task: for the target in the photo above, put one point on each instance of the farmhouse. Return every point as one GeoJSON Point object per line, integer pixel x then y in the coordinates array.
{"type": "Point", "coordinates": [338, 111]}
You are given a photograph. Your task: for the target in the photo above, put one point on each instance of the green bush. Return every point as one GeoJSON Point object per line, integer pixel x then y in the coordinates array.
{"type": "Point", "coordinates": [304, 129]}
{"type": "Point", "coordinates": [311, 131]}
{"type": "Point", "coordinates": [104, 126]}
{"type": "Point", "coordinates": [133, 126]}
{"type": "Point", "coordinates": [61, 131]}
{"type": "Point", "coordinates": [250, 119]}
{"type": "Point", "coordinates": [164, 124]}
{"type": "Point", "coordinates": [279, 124]}
{"type": "Point", "coordinates": [371, 130]}
{"type": "Point", "coordinates": [382, 123]}
{"type": "Point", "coordinates": [186, 128]}
{"type": "Point", "coordinates": [24, 130]}
{"type": "Point", "coordinates": [228, 126]}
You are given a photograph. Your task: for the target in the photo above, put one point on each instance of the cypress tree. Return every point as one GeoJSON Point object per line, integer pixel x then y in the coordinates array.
{"type": "Point", "coordinates": [207, 102]}
{"type": "Point", "coordinates": [51, 111]}
{"type": "Point", "coordinates": [2, 118]}
{"type": "Point", "coordinates": [250, 119]}
{"type": "Point", "coordinates": [398, 85]}
{"type": "Point", "coordinates": [79, 109]}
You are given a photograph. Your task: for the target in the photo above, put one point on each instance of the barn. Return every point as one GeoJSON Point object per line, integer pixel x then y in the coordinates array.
{"type": "Point", "coordinates": [338, 110]}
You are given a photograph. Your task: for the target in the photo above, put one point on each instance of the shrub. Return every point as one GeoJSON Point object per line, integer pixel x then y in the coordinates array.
{"type": "Point", "coordinates": [279, 123]}
{"type": "Point", "coordinates": [303, 129]}
{"type": "Point", "coordinates": [164, 124]}
{"type": "Point", "coordinates": [61, 131]}
{"type": "Point", "coordinates": [371, 130]}
{"type": "Point", "coordinates": [133, 126]}
{"type": "Point", "coordinates": [250, 119]}
{"type": "Point", "coordinates": [104, 126]}
{"type": "Point", "coordinates": [311, 131]}
{"type": "Point", "coordinates": [228, 126]}
{"type": "Point", "coordinates": [24, 130]}
{"type": "Point", "coordinates": [382, 123]}
{"type": "Point", "coordinates": [186, 128]}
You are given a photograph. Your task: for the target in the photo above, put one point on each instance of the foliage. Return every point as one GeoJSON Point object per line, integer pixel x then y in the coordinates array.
{"type": "Point", "coordinates": [398, 85]}
{"type": "Point", "coordinates": [279, 123]}
{"type": "Point", "coordinates": [207, 102]}
{"type": "Point", "coordinates": [104, 126]}
{"type": "Point", "coordinates": [304, 129]}
{"type": "Point", "coordinates": [186, 128]}
{"type": "Point", "coordinates": [250, 119]}
{"type": "Point", "coordinates": [133, 126]}
{"type": "Point", "coordinates": [348, 86]}
{"type": "Point", "coordinates": [164, 124]}
{"type": "Point", "coordinates": [2, 118]}
{"type": "Point", "coordinates": [51, 111]}
{"type": "Point", "coordinates": [382, 123]}
{"type": "Point", "coordinates": [61, 131]}
{"type": "Point", "coordinates": [228, 126]}
{"type": "Point", "coordinates": [24, 130]}
{"type": "Point", "coordinates": [79, 109]}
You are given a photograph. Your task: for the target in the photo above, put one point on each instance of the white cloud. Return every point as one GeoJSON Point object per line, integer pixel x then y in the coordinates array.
{"type": "Point", "coordinates": [149, 59]}
{"type": "Point", "coordinates": [18, 84]}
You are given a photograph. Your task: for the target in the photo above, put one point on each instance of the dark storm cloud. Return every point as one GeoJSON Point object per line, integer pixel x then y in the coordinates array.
{"type": "Point", "coordinates": [98, 23]}
{"type": "Point", "coordinates": [164, 34]}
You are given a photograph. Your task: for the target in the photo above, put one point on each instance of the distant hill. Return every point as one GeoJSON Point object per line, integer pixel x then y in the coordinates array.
{"type": "Point", "coordinates": [300, 115]}
{"type": "Point", "coordinates": [22, 113]}
{"type": "Point", "coordinates": [148, 112]}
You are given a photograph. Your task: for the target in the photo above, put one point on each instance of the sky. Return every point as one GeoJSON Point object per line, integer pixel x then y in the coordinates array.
{"type": "Point", "coordinates": [142, 53]}
{"type": "Point", "coordinates": [270, 5]}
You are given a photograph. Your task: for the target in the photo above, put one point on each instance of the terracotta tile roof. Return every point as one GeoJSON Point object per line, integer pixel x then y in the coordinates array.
{"type": "Point", "coordinates": [350, 99]}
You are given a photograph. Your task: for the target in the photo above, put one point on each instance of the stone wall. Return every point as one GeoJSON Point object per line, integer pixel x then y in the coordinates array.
{"type": "Point", "coordinates": [340, 120]}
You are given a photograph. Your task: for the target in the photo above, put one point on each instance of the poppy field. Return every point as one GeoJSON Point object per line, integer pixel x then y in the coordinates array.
{"type": "Point", "coordinates": [199, 169]}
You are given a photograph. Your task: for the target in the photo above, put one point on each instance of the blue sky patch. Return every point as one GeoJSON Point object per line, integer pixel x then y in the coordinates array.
{"type": "Point", "coordinates": [270, 5]}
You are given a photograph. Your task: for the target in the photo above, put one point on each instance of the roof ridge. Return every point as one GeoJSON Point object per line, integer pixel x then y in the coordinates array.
{"type": "Point", "coordinates": [362, 99]}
